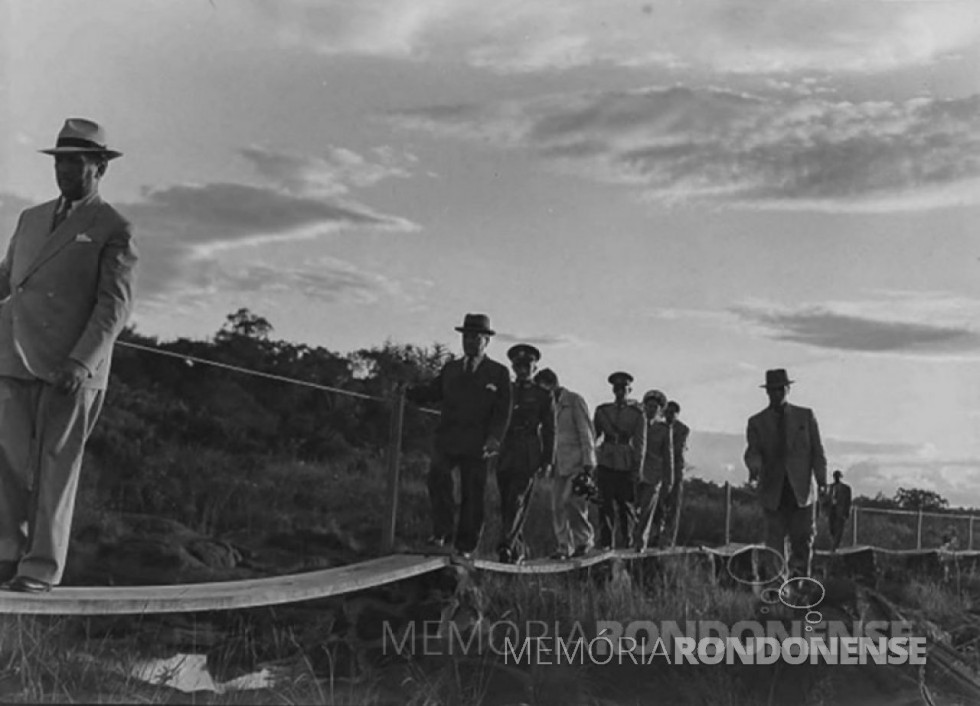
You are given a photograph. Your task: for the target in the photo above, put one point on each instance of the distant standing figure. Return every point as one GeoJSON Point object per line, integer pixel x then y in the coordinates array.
{"type": "Point", "coordinates": [66, 286]}
{"type": "Point", "coordinates": [574, 455]}
{"type": "Point", "coordinates": [620, 428]}
{"type": "Point", "coordinates": [475, 395]}
{"type": "Point", "coordinates": [838, 509]}
{"type": "Point", "coordinates": [679, 433]}
{"type": "Point", "coordinates": [528, 450]}
{"type": "Point", "coordinates": [785, 456]}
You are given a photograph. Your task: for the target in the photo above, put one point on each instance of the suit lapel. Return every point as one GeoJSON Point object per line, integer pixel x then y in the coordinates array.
{"type": "Point", "coordinates": [34, 237]}
{"type": "Point", "coordinates": [46, 245]}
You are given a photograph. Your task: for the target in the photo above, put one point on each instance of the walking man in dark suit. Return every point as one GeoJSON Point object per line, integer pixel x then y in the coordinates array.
{"type": "Point", "coordinates": [785, 457]}
{"type": "Point", "coordinates": [475, 396]}
{"type": "Point", "coordinates": [66, 291]}
{"type": "Point", "coordinates": [838, 509]}
{"type": "Point", "coordinates": [528, 450]}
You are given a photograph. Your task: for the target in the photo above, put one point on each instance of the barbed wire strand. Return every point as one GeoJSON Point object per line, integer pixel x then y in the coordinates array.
{"type": "Point", "coordinates": [258, 373]}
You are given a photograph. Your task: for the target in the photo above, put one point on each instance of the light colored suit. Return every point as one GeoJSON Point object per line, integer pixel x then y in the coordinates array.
{"type": "Point", "coordinates": [805, 464]}
{"type": "Point", "coordinates": [574, 437]}
{"type": "Point", "coordinates": [788, 472]}
{"type": "Point", "coordinates": [67, 294]}
{"type": "Point", "coordinates": [575, 449]}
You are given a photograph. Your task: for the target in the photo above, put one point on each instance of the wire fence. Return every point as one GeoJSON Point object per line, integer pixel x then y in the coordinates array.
{"type": "Point", "coordinates": [396, 403]}
{"type": "Point", "coordinates": [879, 527]}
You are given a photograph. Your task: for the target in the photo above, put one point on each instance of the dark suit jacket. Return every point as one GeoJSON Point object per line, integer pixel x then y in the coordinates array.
{"type": "Point", "coordinates": [841, 505]}
{"type": "Point", "coordinates": [806, 465]}
{"type": "Point", "coordinates": [66, 294]}
{"type": "Point", "coordinates": [475, 406]}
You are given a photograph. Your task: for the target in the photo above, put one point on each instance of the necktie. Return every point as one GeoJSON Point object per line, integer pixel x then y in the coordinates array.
{"type": "Point", "coordinates": [470, 366]}
{"type": "Point", "coordinates": [61, 214]}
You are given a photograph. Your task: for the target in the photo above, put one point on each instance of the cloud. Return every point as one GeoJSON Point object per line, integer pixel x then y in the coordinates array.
{"type": "Point", "coordinates": [327, 279]}
{"type": "Point", "coordinates": [936, 326]}
{"type": "Point", "coordinates": [729, 36]}
{"type": "Point", "coordinates": [547, 339]}
{"type": "Point", "coordinates": [180, 229]}
{"type": "Point", "coordinates": [332, 174]}
{"type": "Point", "coordinates": [869, 467]}
{"type": "Point", "coordinates": [681, 144]}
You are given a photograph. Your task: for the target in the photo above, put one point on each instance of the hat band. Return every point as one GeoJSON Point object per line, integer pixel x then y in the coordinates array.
{"type": "Point", "coordinates": [80, 142]}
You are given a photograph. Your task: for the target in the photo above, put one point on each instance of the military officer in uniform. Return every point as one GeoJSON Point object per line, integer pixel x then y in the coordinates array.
{"type": "Point", "coordinates": [621, 433]}
{"type": "Point", "coordinates": [678, 433]}
{"type": "Point", "coordinates": [528, 449]}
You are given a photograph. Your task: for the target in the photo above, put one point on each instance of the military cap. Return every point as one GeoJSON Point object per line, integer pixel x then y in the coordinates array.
{"type": "Point", "coordinates": [620, 378]}
{"type": "Point", "coordinates": [523, 351]}
{"type": "Point", "coordinates": [655, 395]}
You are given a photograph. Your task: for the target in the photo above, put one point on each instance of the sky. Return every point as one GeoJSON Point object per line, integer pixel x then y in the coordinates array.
{"type": "Point", "coordinates": [693, 191]}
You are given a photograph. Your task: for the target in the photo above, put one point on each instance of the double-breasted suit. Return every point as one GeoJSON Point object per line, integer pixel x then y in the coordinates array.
{"type": "Point", "coordinates": [65, 295]}
{"type": "Point", "coordinates": [802, 464]}
{"type": "Point", "coordinates": [475, 406]}
{"type": "Point", "coordinates": [789, 467]}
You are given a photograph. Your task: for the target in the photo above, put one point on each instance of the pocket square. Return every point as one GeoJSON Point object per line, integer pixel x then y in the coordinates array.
{"type": "Point", "coordinates": [491, 387]}
{"type": "Point", "coordinates": [82, 238]}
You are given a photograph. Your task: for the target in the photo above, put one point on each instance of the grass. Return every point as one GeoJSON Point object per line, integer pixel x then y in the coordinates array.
{"type": "Point", "coordinates": [67, 659]}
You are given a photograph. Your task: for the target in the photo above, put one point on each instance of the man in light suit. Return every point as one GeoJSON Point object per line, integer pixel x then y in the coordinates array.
{"type": "Point", "coordinates": [475, 394]}
{"type": "Point", "coordinates": [574, 455]}
{"type": "Point", "coordinates": [785, 457]}
{"type": "Point", "coordinates": [66, 287]}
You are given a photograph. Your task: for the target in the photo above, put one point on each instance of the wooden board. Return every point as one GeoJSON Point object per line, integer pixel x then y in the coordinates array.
{"type": "Point", "coordinates": [226, 595]}
{"type": "Point", "coordinates": [293, 588]}
{"type": "Point", "coordinates": [556, 566]}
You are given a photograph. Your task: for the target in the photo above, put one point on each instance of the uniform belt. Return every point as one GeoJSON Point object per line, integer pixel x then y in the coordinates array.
{"type": "Point", "coordinates": [618, 439]}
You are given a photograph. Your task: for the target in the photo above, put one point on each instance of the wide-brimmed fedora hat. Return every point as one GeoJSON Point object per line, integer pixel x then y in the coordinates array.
{"type": "Point", "coordinates": [524, 351]}
{"type": "Point", "coordinates": [777, 378]}
{"type": "Point", "coordinates": [81, 136]}
{"type": "Point", "coordinates": [476, 323]}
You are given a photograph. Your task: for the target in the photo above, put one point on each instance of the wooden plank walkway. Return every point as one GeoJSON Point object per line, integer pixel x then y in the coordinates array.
{"type": "Point", "coordinates": [225, 595]}
{"type": "Point", "coordinates": [293, 588]}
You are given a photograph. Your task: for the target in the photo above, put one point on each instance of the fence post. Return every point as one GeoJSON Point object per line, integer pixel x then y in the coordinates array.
{"type": "Point", "coordinates": [394, 465]}
{"type": "Point", "coordinates": [854, 526]}
{"type": "Point", "coordinates": [918, 531]}
{"type": "Point", "coordinates": [970, 541]}
{"type": "Point", "coordinates": [728, 513]}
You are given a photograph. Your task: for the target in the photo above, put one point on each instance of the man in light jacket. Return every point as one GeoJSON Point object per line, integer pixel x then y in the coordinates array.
{"type": "Point", "coordinates": [574, 455]}
{"type": "Point", "coordinates": [785, 457]}
{"type": "Point", "coordinates": [66, 286]}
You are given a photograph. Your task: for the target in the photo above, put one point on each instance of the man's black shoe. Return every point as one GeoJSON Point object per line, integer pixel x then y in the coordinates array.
{"type": "Point", "coordinates": [581, 550]}
{"type": "Point", "coordinates": [25, 584]}
{"type": "Point", "coordinates": [8, 569]}
{"type": "Point", "coordinates": [505, 555]}
{"type": "Point", "coordinates": [436, 541]}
